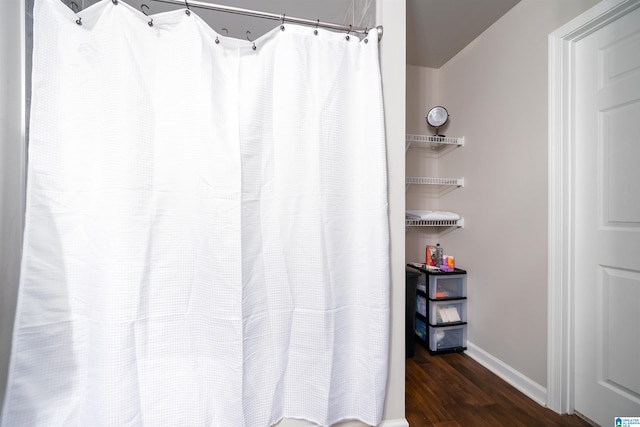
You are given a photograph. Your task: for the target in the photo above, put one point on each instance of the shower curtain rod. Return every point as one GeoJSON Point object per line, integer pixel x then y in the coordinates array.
{"type": "Point", "coordinates": [274, 16]}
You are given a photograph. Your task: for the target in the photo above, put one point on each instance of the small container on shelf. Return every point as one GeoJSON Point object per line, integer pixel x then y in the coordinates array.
{"type": "Point", "coordinates": [448, 264]}
{"type": "Point", "coordinates": [447, 338]}
{"type": "Point", "coordinates": [434, 256]}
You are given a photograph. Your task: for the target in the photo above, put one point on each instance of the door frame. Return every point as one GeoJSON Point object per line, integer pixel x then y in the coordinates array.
{"type": "Point", "coordinates": [561, 263]}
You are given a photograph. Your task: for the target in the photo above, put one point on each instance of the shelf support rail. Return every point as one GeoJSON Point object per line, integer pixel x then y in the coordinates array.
{"type": "Point", "coordinates": [459, 223]}
{"type": "Point", "coordinates": [458, 182]}
{"type": "Point", "coordinates": [432, 139]}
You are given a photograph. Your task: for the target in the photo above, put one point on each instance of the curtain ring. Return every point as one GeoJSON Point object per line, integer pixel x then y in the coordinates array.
{"type": "Point", "coordinates": [248, 33]}
{"type": "Point", "coordinates": [347, 38]}
{"type": "Point", "coordinates": [142, 6]}
{"type": "Point", "coordinates": [317, 25]}
{"type": "Point", "coordinates": [188, 11]}
{"type": "Point", "coordinates": [366, 34]}
{"type": "Point", "coordinates": [226, 33]}
{"type": "Point", "coordinates": [282, 25]}
{"type": "Point", "coordinates": [77, 9]}
{"type": "Point", "coordinates": [114, 2]}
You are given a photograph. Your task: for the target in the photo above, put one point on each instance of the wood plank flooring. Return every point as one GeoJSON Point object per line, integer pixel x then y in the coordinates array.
{"type": "Point", "coordinates": [453, 390]}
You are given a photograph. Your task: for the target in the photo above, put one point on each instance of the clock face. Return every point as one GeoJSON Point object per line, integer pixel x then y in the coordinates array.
{"type": "Point", "coordinates": [437, 116]}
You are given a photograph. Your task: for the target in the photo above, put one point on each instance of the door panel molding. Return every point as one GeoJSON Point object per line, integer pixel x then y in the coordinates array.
{"type": "Point", "coordinates": [560, 351]}
{"type": "Point", "coordinates": [618, 312]}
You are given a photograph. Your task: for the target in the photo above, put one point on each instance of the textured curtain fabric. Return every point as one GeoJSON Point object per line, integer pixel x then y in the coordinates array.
{"type": "Point", "coordinates": [206, 237]}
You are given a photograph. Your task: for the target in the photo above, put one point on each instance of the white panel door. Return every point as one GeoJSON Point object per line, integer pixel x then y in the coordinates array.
{"type": "Point", "coordinates": [607, 221]}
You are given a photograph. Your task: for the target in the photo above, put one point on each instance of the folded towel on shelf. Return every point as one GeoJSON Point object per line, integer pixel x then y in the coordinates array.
{"type": "Point", "coordinates": [417, 215]}
{"type": "Point", "coordinates": [440, 216]}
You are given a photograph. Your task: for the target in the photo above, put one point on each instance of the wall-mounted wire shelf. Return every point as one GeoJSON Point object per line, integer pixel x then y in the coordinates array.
{"type": "Point", "coordinates": [438, 146]}
{"type": "Point", "coordinates": [435, 143]}
{"type": "Point", "coordinates": [455, 182]}
{"type": "Point", "coordinates": [459, 223]}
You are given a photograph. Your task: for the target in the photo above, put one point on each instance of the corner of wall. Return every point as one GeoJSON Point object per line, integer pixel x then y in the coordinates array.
{"type": "Point", "coordinates": [521, 382]}
{"type": "Point", "coordinates": [392, 15]}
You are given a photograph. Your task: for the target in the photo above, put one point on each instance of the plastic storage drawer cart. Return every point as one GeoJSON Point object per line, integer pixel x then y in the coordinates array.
{"type": "Point", "coordinates": [441, 310]}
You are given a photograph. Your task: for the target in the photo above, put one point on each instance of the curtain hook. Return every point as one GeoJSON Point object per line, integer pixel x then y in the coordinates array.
{"type": "Point", "coordinates": [347, 38]}
{"type": "Point", "coordinates": [282, 25]}
{"type": "Point", "coordinates": [317, 25]}
{"type": "Point", "coordinates": [142, 6]}
{"type": "Point", "coordinates": [248, 33]}
{"type": "Point", "coordinates": [366, 34]}
{"type": "Point", "coordinates": [188, 11]}
{"type": "Point", "coordinates": [226, 33]}
{"type": "Point", "coordinates": [76, 10]}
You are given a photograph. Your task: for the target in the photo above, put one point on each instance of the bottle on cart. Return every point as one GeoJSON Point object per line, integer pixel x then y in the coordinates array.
{"type": "Point", "coordinates": [439, 255]}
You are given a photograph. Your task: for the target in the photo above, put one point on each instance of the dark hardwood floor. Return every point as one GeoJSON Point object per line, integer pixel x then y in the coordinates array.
{"type": "Point", "coordinates": [451, 390]}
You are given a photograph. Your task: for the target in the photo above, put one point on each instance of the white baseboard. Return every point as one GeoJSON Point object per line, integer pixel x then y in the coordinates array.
{"type": "Point", "coordinates": [399, 422]}
{"type": "Point", "coordinates": [524, 384]}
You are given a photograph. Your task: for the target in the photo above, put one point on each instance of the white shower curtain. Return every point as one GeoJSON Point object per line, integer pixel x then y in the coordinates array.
{"type": "Point", "coordinates": [206, 237]}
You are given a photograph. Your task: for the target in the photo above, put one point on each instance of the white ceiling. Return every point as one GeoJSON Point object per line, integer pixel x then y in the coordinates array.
{"type": "Point", "coordinates": [436, 29]}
